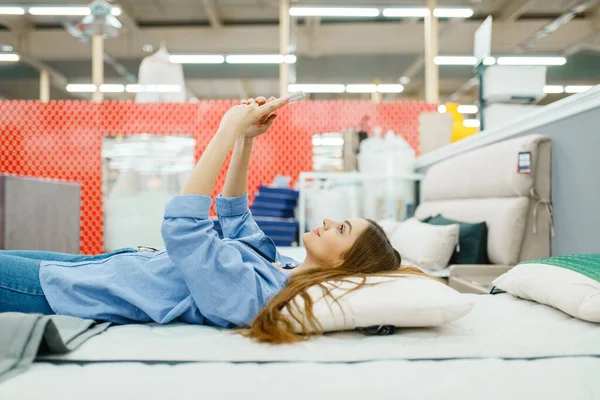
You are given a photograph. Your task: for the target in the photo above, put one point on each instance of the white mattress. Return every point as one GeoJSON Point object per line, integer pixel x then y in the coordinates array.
{"type": "Point", "coordinates": [499, 326]}
{"type": "Point", "coordinates": [489, 379]}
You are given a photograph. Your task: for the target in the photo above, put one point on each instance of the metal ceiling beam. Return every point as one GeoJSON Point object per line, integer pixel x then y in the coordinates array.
{"type": "Point", "coordinates": [418, 64]}
{"type": "Point", "coordinates": [212, 12]}
{"type": "Point", "coordinates": [18, 27]}
{"type": "Point", "coordinates": [471, 83]}
{"type": "Point", "coordinates": [587, 43]}
{"type": "Point", "coordinates": [130, 24]}
{"type": "Point", "coordinates": [109, 59]}
{"type": "Point", "coordinates": [511, 10]}
{"type": "Point", "coordinates": [557, 23]}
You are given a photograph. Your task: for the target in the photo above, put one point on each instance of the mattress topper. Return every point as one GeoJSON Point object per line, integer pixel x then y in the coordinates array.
{"type": "Point", "coordinates": [499, 326]}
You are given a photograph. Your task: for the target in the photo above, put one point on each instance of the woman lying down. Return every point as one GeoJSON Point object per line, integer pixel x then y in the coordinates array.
{"type": "Point", "coordinates": [240, 281]}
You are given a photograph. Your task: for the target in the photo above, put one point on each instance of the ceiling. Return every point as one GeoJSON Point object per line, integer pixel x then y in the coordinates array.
{"type": "Point", "coordinates": [329, 51]}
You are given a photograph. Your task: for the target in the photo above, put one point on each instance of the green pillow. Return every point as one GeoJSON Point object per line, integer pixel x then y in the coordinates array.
{"type": "Point", "coordinates": [472, 241]}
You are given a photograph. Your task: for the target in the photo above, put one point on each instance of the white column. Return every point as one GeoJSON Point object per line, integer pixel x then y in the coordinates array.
{"type": "Point", "coordinates": [44, 86]}
{"type": "Point", "coordinates": [432, 73]}
{"type": "Point", "coordinates": [284, 44]}
{"type": "Point", "coordinates": [97, 66]}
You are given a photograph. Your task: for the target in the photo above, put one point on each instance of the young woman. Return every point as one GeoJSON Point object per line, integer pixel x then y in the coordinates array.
{"type": "Point", "coordinates": [238, 282]}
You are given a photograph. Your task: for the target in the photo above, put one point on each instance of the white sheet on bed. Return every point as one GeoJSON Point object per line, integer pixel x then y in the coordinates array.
{"type": "Point", "coordinates": [489, 379]}
{"type": "Point", "coordinates": [498, 326]}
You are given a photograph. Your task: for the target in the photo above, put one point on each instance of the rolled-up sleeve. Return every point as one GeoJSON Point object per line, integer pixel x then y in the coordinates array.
{"type": "Point", "coordinates": [226, 290]}
{"type": "Point", "coordinates": [235, 217]}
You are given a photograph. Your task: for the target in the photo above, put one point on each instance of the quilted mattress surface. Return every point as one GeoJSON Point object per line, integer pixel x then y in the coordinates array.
{"type": "Point", "coordinates": [499, 326]}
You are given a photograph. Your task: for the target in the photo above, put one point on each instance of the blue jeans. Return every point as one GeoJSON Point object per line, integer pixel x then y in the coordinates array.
{"type": "Point", "coordinates": [20, 288]}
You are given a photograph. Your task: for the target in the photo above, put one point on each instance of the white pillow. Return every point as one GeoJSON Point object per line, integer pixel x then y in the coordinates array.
{"type": "Point", "coordinates": [389, 226]}
{"type": "Point", "coordinates": [429, 246]}
{"type": "Point", "coordinates": [403, 301]}
{"type": "Point", "coordinates": [560, 287]}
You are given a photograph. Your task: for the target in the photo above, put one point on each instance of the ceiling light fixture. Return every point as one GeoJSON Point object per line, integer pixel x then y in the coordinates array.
{"type": "Point", "coordinates": [9, 57]}
{"type": "Point", "coordinates": [59, 11]}
{"type": "Point", "coordinates": [196, 59]}
{"type": "Point", "coordinates": [406, 12]}
{"type": "Point", "coordinates": [577, 88]}
{"type": "Point", "coordinates": [531, 60]}
{"type": "Point", "coordinates": [554, 89]}
{"type": "Point", "coordinates": [260, 59]}
{"type": "Point", "coordinates": [453, 12]}
{"type": "Point", "coordinates": [65, 11]}
{"type": "Point", "coordinates": [112, 88]}
{"type": "Point", "coordinates": [471, 123]}
{"type": "Point", "coordinates": [467, 109]}
{"type": "Point", "coordinates": [361, 88]}
{"type": "Point", "coordinates": [390, 88]}
{"type": "Point", "coordinates": [81, 88]}
{"type": "Point", "coordinates": [333, 12]}
{"type": "Point", "coordinates": [12, 11]}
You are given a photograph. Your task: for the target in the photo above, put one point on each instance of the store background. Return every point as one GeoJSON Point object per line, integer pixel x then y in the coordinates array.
{"type": "Point", "coordinates": [63, 139]}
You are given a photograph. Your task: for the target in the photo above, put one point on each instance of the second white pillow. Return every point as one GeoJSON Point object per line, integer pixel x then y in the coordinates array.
{"type": "Point", "coordinates": [429, 246]}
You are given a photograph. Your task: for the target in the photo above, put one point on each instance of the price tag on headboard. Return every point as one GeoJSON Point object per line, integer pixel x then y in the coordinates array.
{"type": "Point", "coordinates": [524, 163]}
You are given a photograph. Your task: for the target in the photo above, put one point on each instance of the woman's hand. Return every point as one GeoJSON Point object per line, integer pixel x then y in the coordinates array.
{"type": "Point", "coordinates": [251, 117]}
{"type": "Point", "coordinates": [262, 125]}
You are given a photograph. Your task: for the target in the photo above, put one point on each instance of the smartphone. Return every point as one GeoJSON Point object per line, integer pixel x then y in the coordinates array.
{"type": "Point", "coordinates": [296, 96]}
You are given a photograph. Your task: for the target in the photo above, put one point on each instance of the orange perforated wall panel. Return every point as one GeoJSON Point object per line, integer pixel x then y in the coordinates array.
{"type": "Point", "coordinates": [63, 139]}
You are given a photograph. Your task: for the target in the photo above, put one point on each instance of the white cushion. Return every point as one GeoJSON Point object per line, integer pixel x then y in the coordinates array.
{"type": "Point", "coordinates": [506, 219]}
{"type": "Point", "coordinates": [429, 246]}
{"type": "Point", "coordinates": [561, 288]}
{"type": "Point", "coordinates": [403, 301]}
{"type": "Point", "coordinates": [389, 226]}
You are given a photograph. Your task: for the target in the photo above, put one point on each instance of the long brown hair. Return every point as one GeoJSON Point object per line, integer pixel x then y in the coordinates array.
{"type": "Point", "coordinates": [371, 254]}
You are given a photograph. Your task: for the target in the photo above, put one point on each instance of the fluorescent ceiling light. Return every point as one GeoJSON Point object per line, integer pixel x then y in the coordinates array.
{"type": "Point", "coordinates": [467, 109]}
{"type": "Point", "coordinates": [81, 88]}
{"type": "Point", "coordinates": [361, 88]}
{"type": "Point", "coordinates": [59, 10]}
{"type": "Point", "coordinates": [471, 123]}
{"type": "Point", "coordinates": [577, 88]}
{"type": "Point", "coordinates": [317, 88]}
{"type": "Point", "coordinates": [405, 12]}
{"type": "Point", "coordinates": [455, 60]}
{"type": "Point", "coordinates": [531, 60]}
{"type": "Point", "coordinates": [260, 59]}
{"type": "Point", "coordinates": [12, 11]}
{"type": "Point", "coordinates": [135, 88]}
{"type": "Point", "coordinates": [112, 88]}
{"type": "Point", "coordinates": [452, 12]}
{"type": "Point", "coordinates": [390, 88]}
{"type": "Point", "coordinates": [442, 108]}
{"type": "Point", "coordinates": [554, 89]}
{"type": "Point", "coordinates": [9, 57]}
{"type": "Point", "coordinates": [489, 61]}
{"type": "Point", "coordinates": [333, 12]}
{"type": "Point", "coordinates": [196, 59]}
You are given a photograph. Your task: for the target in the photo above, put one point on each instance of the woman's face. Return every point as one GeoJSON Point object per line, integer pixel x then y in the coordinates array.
{"type": "Point", "coordinates": [326, 244]}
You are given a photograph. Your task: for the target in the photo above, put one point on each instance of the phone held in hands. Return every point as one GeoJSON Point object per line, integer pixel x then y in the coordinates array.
{"type": "Point", "coordinates": [296, 96]}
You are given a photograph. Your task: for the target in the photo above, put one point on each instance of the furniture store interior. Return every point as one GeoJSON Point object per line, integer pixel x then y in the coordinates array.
{"type": "Point", "coordinates": [389, 199]}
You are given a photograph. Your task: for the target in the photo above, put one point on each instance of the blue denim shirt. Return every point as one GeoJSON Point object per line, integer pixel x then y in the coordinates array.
{"type": "Point", "coordinates": [199, 278]}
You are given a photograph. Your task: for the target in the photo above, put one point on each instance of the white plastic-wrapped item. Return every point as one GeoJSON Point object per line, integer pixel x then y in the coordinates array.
{"type": "Point", "coordinates": [381, 156]}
